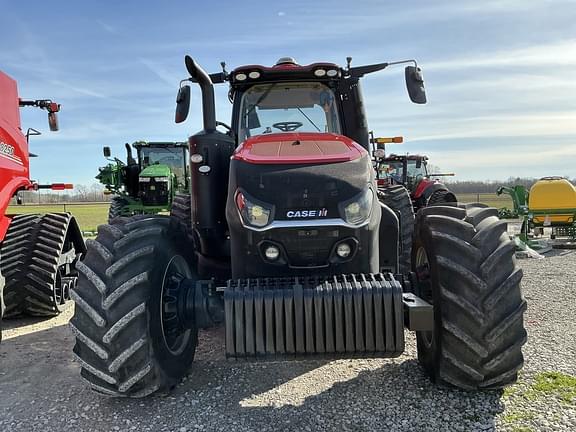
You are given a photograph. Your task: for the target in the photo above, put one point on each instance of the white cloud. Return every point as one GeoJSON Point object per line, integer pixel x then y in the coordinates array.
{"type": "Point", "coordinates": [560, 53]}
{"type": "Point", "coordinates": [107, 27]}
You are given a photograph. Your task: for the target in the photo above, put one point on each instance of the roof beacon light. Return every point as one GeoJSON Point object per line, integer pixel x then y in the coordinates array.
{"type": "Point", "coordinates": [285, 60]}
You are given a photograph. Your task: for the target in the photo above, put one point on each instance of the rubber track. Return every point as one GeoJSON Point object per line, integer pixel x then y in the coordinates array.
{"type": "Point", "coordinates": [113, 341]}
{"type": "Point", "coordinates": [481, 301]}
{"type": "Point", "coordinates": [398, 199]}
{"type": "Point", "coordinates": [30, 253]}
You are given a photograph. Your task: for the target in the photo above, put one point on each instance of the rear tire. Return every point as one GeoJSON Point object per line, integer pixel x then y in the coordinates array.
{"type": "Point", "coordinates": [181, 212]}
{"type": "Point", "coordinates": [37, 281]}
{"type": "Point", "coordinates": [129, 339]}
{"type": "Point", "coordinates": [465, 261]}
{"type": "Point", "coordinates": [117, 205]}
{"type": "Point", "coordinates": [442, 197]}
{"type": "Point", "coordinates": [397, 198]}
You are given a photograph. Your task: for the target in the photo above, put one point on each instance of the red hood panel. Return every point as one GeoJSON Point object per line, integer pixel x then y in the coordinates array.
{"type": "Point", "coordinates": [298, 148]}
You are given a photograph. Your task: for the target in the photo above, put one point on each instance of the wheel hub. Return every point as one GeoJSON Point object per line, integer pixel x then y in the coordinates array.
{"type": "Point", "coordinates": [424, 286]}
{"type": "Point", "coordinates": [175, 334]}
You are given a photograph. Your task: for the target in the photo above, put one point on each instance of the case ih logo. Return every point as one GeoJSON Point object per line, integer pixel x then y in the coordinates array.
{"type": "Point", "coordinates": [293, 214]}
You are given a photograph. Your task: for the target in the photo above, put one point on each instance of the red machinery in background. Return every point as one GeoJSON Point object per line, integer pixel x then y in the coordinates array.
{"type": "Point", "coordinates": [38, 252]}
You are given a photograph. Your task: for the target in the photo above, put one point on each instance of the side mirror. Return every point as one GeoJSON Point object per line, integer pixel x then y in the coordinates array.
{"type": "Point", "coordinates": [418, 164]}
{"type": "Point", "coordinates": [253, 120]}
{"type": "Point", "coordinates": [182, 103]}
{"type": "Point", "coordinates": [53, 121]}
{"type": "Point", "coordinates": [415, 84]}
{"type": "Point", "coordinates": [107, 152]}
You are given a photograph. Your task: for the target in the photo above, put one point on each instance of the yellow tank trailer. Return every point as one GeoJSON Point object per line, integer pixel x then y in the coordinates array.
{"type": "Point", "coordinates": [552, 202]}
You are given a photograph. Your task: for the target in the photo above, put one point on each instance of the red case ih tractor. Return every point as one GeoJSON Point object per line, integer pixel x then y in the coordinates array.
{"type": "Point", "coordinates": [290, 248]}
{"type": "Point", "coordinates": [397, 173]}
{"type": "Point", "coordinates": [37, 252]}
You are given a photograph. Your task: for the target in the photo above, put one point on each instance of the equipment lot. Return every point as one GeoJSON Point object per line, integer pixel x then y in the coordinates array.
{"type": "Point", "coordinates": [40, 389]}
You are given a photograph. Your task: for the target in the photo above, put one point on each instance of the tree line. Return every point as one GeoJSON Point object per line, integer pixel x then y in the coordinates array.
{"type": "Point", "coordinates": [489, 186]}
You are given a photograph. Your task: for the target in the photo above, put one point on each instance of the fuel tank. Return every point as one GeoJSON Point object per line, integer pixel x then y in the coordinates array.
{"type": "Point", "coordinates": [552, 193]}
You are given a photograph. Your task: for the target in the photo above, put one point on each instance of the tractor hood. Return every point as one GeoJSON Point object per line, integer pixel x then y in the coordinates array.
{"type": "Point", "coordinates": [156, 171]}
{"type": "Point", "coordinates": [298, 148]}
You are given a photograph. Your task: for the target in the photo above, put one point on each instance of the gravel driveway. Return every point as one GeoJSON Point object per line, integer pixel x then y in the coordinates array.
{"type": "Point", "coordinates": [40, 388]}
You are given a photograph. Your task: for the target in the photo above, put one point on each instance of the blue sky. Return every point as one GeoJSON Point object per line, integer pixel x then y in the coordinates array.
{"type": "Point", "coordinates": [499, 74]}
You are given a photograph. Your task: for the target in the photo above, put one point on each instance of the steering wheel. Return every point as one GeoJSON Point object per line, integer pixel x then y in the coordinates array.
{"type": "Point", "coordinates": [287, 126]}
{"type": "Point", "coordinates": [168, 158]}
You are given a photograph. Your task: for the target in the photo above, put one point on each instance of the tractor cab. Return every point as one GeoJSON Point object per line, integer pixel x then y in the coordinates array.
{"type": "Point", "coordinates": [162, 159]}
{"type": "Point", "coordinates": [290, 188]}
{"type": "Point", "coordinates": [407, 170]}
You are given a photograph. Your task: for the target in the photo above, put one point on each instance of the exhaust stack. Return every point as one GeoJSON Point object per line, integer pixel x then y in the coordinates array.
{"type": "Point", "coordinates": [203, 79]}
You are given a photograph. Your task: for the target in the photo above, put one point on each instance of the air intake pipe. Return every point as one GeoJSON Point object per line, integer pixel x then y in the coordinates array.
{"type": "Point", "coordinates": [203, 79]}
{"type": "Point", "coordinates": [129, 159]}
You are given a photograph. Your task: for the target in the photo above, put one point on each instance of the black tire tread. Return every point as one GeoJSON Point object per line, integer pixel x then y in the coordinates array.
{"type": "Point", "coordinates": [398, 199]}
{"type": "Point", "coordinates": [113, 341]}
{"type": "Point", "coordinates": [116, 205]}
{"type": "Point", "coordinates": [481, 304]}
{"type": "Point", "coordinates": [442, 197]}
{"type": "Point", "coordinates": [30, 256]}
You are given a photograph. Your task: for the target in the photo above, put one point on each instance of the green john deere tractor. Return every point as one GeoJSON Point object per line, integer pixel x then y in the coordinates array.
{"type": "Point", "coordinates": [149, 184]}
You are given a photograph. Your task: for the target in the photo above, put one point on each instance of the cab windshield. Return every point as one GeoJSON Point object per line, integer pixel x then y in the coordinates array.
{"type": "Point", "coordinates": [288, 107]}
{"type": "Point", "coordinates": [174, 158]}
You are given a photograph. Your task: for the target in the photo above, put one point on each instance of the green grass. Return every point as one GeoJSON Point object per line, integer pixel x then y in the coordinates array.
{"type": "Point", "coordinates": [554, 384]}
{"type": "Point", "coordinates": [490, 199]}
{"type": "Point", "coordinates": [518, 416]}
{"type": "Point", "coordinates": [89, 216]}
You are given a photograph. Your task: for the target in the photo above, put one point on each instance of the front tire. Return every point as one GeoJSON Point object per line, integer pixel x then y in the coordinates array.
{"type": "Point", "coordinates": [442, 197]}
{"type": "Point", "coordinates": [129, 337]}
{"type": "Point", "coordinates": [397, 198]}
{"type": "Point", "coordinates": [116, 209]}
{"type": "Point", "coordinates": [464, 260]}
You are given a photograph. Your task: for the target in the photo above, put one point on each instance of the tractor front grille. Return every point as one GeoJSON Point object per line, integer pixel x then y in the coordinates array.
{"type": "Point", "coordinates": [154, 193]}
{"type": "Point", "coordinates": [308, 247]}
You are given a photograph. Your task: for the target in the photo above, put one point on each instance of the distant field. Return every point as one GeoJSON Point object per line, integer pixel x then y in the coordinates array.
{"type": "Point", "coordinates": [491, 200]}
{"type": "Point", "coordinates": [88, 215]}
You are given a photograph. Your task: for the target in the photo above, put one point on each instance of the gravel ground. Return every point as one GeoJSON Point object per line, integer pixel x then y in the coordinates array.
{"type": "Point", "coordinates": [40, 387]}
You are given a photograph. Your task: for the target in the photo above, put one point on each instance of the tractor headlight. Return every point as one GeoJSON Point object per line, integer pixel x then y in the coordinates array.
{"type": "Point", "coordinates": [161, 179]}
{"type": "Point", "coordinates": [144, 179]}
{"type": "Point", "coordinates": [358, 209]}
{"type": "Point", "coordinates": [253, 214]}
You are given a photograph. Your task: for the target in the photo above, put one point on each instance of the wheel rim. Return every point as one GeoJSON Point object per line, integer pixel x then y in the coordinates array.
{"type": "Point", "coordinates": [174, 335]}
{"type": "Point", "coordinates": [423, 271]}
